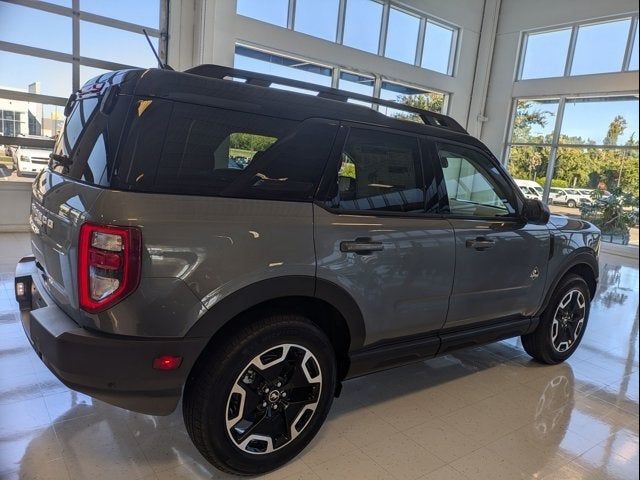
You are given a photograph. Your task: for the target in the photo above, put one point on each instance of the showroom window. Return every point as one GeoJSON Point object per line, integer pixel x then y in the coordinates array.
{"type": "Point", "coordinates": [439, 47]}
{"type": "Point", "coordinates": [427, 100]}
{"type": "Point", "coordinates": [275, 12]}
{"type": "Point", "coordinates": [317, 18]}
{"type": "Point", "coordinates": [402, 36]}
{"type": "Point", "coordinates": [587, 143]}
{"type": "Point", "coordinates": [56, 55]}
{"type": "Point", "coordinates": [270, 63]}
{"type": "Point", "coordinates": [379, 27]}
{"type": "Point", "coordinates": [581, 49]}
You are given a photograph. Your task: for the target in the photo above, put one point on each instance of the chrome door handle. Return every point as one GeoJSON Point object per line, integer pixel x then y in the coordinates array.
{"type": "Point", "coordinates": [361, 246]}
{"type": "Point", "coordinates": [480, 243]}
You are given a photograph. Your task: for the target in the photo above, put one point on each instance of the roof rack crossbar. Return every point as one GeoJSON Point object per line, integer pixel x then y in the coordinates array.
{"type": "Point", "coordinates": [220, 72]}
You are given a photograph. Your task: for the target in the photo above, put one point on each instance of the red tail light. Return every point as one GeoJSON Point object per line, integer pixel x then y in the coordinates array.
{"type": "Point", "coordinates": [108, 265]}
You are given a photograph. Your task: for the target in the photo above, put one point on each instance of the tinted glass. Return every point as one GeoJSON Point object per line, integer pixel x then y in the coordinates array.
{"type": "Point", "coordinates": [600, 48]}
{"type": "Point", "coordinates": [546, 54]}
{"type": "Point", "coordinates": [472, 191]}
{"type": "Point", "coordinates": [402, 36]}
{"type": "Point", "coordinates": [317, 17]}
{"type": "Point", "coordinates": [272, 11]}
{"type": "Point", "coordinates": [95, 171]}
{"type": "Point", "coordinates": [198, 150]}
{"type": "Point", "coordinates": [380, 171]}
{"type": "Point", "coordinates": [80, 116]}
{"type": "Point", "coordinates": [362, 22]}
{"type": "Point", "coordinates": [89, 141]}
{"type": "Point", "coordinates": [438, 42]}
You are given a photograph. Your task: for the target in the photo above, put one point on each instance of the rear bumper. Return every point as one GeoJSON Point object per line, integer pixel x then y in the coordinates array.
{"type": "Point", "coordinates": [115, 369]}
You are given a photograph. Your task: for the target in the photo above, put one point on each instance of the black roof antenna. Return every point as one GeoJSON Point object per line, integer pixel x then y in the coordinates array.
{"type": "Point", "coordinates": [163, 66]}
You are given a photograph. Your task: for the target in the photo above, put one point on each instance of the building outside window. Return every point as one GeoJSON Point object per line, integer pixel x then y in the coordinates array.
{"type": "Point", "coordinates": [587, 143]}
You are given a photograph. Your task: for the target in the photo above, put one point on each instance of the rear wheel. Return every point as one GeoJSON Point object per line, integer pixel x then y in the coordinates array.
{"type": "Point", "coordinates": [562, 324]}
{"type": "Point", "coordinates": [254, 403]}
{"type": "Point", "coordinates": [571, 204]}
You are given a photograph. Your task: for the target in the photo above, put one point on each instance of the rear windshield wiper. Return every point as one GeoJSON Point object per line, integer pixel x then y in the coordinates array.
{"type": "Point", "coordinates": [63, 160]}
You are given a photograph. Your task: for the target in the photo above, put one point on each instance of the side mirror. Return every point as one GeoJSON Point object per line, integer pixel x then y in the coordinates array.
{"type": "Point", "coordinates": [536, 212]}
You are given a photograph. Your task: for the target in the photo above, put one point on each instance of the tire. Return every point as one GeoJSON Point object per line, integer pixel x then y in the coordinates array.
{"type": "Point", "coordinates": [560, 329]}
{"type": "Point", "coordinates": [229, 386]}
{"type": "Point", "coordinates": [571, 204]}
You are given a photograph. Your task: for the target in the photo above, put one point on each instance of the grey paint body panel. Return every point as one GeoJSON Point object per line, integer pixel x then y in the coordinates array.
{"type": "Point", "coordinates": [401, 290]}
{"type": "Point", "coordinates": [497, 282]}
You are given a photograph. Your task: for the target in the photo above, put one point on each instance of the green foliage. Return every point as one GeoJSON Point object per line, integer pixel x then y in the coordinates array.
{"type": "Point", "coordinates": [555, 182]}
{"type": "Point", "coordinates": [609, 213]}
{"type": "Point", "coordinates": [251, 142]}
{"type": "Point", "coordinates": [526, 118]}
{"type": "Point", "coordinates": [432, 102]}
{"type": "Point", "coordinates": [347, 170]}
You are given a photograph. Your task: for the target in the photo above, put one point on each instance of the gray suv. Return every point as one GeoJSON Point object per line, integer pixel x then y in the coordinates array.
{"type": "Point", "coordinates": [203, 236]}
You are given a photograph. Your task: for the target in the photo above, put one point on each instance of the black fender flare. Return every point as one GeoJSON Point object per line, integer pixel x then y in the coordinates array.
{"type": "Point", "coordinates": [281, 287]}
{"type": "Point", "coordinates": [580, 256]}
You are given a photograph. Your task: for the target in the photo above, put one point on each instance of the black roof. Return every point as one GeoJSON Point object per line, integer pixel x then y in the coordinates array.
{"type": "Point", "coordinates": [215, 86]}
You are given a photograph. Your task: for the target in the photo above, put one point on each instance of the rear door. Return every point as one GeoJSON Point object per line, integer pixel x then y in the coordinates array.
{"type": "Point", "coordinates": [500, 258]}
{"type": "Point", "coordinates": [375, 235]}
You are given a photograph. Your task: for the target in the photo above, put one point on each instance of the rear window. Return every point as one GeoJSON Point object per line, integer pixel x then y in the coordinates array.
{"type": "Point", "coordinates": [198, 150]}
{"type": "Point", "coordinates": [87, 147]}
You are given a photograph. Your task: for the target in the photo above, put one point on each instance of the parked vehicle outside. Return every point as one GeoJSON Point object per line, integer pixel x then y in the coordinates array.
{"type": "Point", "coordinates": [570, 197]}
{"type": "Point", "coordinates": [350, 242]}
{"type": "Point", "coordinates": [530, 189]}
{"type": "Point", "coordinates": [29, 161]}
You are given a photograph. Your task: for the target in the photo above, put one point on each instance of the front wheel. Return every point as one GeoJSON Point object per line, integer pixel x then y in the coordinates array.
{"type": "Point", "coordinates": [255, 402]}
{"type": "Point", "coordinates": [562, 324]}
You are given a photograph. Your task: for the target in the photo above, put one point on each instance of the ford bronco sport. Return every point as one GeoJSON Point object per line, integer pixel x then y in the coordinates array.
{"type": "Point", "coordinates": [203, 236]}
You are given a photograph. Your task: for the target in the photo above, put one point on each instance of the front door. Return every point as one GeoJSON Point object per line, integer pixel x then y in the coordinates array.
{"type": "Point", "coordinates": [375, 237]}
{"type": "Point", "coordinates": [500, 259]}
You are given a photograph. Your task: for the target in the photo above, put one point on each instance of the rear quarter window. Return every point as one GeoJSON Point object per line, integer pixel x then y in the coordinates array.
{"type": "Point", "coordinates": [181, 148]}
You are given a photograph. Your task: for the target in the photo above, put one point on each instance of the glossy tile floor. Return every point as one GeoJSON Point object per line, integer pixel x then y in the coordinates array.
{"type": "Point", "coordinates": [488, 413]}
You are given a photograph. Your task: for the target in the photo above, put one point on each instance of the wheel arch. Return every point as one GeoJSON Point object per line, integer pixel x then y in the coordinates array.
{"type": "Point", "coordinates": [326, 304]}
{"type": "Point", "coordinates": [582, 262]}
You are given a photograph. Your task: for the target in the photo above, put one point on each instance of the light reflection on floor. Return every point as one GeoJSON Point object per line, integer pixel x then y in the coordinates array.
{"type": "Point", "coordinates": [483, 413]}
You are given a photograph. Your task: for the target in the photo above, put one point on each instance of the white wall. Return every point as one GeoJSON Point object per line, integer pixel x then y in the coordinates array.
{"type": "Point", "coordinates": [15, 202]}
{"type": "Point", "coordinates": [212, 36]}
{"type": "Point", "coordinates": [517, 16]}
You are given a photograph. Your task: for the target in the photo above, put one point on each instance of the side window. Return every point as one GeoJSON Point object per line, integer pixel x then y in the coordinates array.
{"type": "Point", "coordinates": [211, 151]}
{"type": "Point", "coordinates": [472, 190]}
{"type": "Point", "coordinates": [380, 171]}
{"type": "Point", "coordinates": [207, 149]}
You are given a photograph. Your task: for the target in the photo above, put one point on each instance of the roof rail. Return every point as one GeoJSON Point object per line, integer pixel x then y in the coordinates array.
{"type": "Point", "coordinates": [263, 80]}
